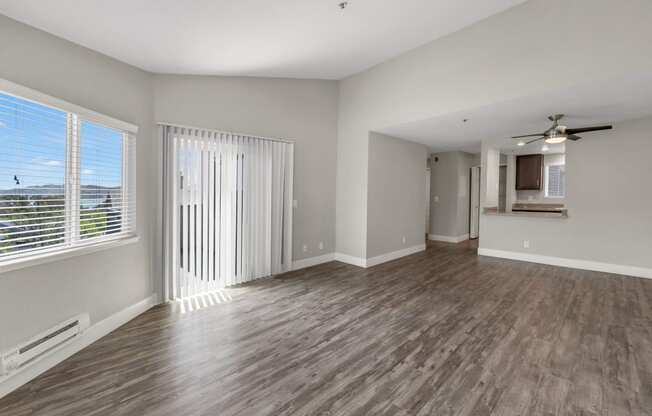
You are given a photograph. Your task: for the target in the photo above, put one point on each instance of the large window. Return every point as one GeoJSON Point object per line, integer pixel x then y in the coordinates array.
{"type": "Point", "coordinates": [66, 182]}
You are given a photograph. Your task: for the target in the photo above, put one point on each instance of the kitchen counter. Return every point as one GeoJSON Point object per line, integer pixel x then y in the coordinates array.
{"type": "Point", "coordinates": [558, 213]}
{"type": "Point", "coordinates": [537, 207]}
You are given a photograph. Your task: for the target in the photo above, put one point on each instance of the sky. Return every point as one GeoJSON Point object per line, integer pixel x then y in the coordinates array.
{"type": "Point", "coordinates": [33, 147]}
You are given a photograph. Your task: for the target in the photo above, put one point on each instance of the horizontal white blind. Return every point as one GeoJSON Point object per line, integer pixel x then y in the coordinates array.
{"type": "Point", "coordinates": [64, 181]}
{"type": "Point", "coordinates": [32, 175]}
{"type": "Point", "coordinates": [556, 184]}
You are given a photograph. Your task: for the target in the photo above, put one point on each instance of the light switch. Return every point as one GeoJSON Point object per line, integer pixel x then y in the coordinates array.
{"type": "Point", "coordinates": [295, 204]}
{"type": "Point", "coordinates": [436, 198]}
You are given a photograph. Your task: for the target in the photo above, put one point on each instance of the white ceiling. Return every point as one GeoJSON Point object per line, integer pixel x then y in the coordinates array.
{"type": "Point", "coordinates": [595, 103]}
{"type": "Point", "coordinates": [288, 38]}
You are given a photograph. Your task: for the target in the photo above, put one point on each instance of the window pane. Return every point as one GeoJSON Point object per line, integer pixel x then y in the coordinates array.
{"type": "Point", "coordinates": [101, 193]}
{"type": "Point", "coordinates": [32, 174]}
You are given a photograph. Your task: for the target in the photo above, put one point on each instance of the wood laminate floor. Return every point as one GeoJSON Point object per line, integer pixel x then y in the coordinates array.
{"type": "Point", "coordinates": [442, 332]}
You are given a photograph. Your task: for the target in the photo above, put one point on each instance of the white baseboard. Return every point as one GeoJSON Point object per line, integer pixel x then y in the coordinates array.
{"type": "Point", "coordinates": [356, 261]}
{"type": "Point", "coordinates": [92, 334]}
{"type": "Point", "coordinates": [383, 258]}
{"type": "Point", "coordinates": [448, 239]}
{"type": "Point", "coordinates": [571, 263]}
{"type": "Point", "coordinates": [312, 261]}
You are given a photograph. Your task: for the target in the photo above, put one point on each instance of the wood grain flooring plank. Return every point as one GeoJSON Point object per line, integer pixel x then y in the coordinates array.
{"type": "Point", "coordinates": [443, 332]}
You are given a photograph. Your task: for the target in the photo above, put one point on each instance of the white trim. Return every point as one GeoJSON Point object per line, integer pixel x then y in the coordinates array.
{"type": "Point", "coordinates": [312, 261]}
{"type": "Point", "coordinates": [356, 261]}
{"type": "Point", "coordinates": [448, 239]}
{"type": "Point", "coordinates": [59, 354]}
{"type": "Point", "coordinates": [383, 258]}
{"type": "Point", "coordinates": [57, 254]}
{"type": "Point", "coordinates": [41, 98]}
{"type": "Point", "coordinates": [571, 263]}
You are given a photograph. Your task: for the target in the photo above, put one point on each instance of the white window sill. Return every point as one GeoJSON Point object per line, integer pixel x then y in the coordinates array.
{"type": "Point", "coordinates": [61, 254]}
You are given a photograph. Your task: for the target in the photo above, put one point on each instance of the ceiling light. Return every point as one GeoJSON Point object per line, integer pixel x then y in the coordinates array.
{"type": "Point", "coordinates": [521, 143]}
{"type": "Point", "coordinates": [545, 148]}
{"type": "Point", "coordinates": [556, 139]}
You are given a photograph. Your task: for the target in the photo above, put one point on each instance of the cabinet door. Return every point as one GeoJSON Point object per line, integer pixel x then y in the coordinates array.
{"type": "Point", "coordinates": [529, 172]}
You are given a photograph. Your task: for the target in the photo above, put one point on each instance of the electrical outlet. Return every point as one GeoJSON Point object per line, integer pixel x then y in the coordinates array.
{"type": "Point", "coordinates": [321, 245]}
{"type": "Point", "coordinates": [305, 248]}
{"type": "Point", "coordinates": [526, 243]}
{"type": "Point", "coordinates": [404, 240]}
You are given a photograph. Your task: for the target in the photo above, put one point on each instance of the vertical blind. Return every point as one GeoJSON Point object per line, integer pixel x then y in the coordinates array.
{"type": "Point", "coordinates": [228, 209]}
{"type": "Point", "coordinates": [64, 181]}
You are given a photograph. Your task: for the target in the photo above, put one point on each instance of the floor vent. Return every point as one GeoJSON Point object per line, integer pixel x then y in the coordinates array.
{"type": "Point", "coordinates": [41, 345]}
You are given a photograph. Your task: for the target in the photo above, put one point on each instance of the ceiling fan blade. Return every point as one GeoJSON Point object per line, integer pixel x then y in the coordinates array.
{"type": "Point", "coordinates": [586, 129]}
{"type": "Point", "coordinates": [573, 137]}
{"type": "Point", "coordinates": [536, 140]}
{"type": "Point", "coordinates": [528, 135]}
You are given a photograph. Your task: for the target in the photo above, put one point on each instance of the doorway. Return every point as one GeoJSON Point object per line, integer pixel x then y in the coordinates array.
{"type": "Point", "coordinates": [474, 221]}
{"type": "Point", "coordinates": [228, 210]}
{"type": "Point", "coordinates": [427, 202]}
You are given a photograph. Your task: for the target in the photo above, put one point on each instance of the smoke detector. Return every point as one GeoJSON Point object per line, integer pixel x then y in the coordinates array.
{"type": "Point", "coordinates": [343, 5]}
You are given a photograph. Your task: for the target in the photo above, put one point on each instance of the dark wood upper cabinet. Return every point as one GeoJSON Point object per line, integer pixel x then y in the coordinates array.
{"type": "Point", "coordinates": [529, 172]}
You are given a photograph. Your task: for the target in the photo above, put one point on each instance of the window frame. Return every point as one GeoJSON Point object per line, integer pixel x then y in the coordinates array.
{"type": "Point", "coordinates": [75, 114]}
{"type": "Point", "coordinates": [546, 190]}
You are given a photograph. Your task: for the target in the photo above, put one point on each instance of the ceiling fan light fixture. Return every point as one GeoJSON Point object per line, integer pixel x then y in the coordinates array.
{"type": "Point", "coordinates": [561, 138]}
{"type": "Point", "coordinates": [520, 143]}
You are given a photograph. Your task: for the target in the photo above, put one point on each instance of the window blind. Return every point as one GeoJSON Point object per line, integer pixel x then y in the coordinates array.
{"type": "Point", "coordinates": [228, 209]}
{"type": "Point", "coordinates": [64, 181]}
{"type": "Point", "coordinates": [556, 184]}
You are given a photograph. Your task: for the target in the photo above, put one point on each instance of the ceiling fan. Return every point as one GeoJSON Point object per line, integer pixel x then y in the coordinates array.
{"type": "Point", "coordinates": [558, 133]}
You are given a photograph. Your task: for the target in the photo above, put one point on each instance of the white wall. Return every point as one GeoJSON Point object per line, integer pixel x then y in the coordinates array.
{"type": "Point", "coordinates": [302, 110]}
{"type": "Point", "coordinates": [608, 199]}
{"type": "Point", "coordinates": [397, 189]}
{"type": "Point", "coordinates": [497, 59]}
{"type": "Point", "coordinates": [102, 283]}
{"type": "Point", "coordinates": [490, 177]}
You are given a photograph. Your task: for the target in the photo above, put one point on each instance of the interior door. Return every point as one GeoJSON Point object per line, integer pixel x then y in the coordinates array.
{"type": "Point", "coordinates": [427, 201]}
{"type": "Point", "coordinates": [474, 231]}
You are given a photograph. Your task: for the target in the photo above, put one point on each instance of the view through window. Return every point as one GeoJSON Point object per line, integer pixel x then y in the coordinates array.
{"type": "Point", "coordinates": [32, 175]}
{"type": "Point", "coordinates": [62, 179]}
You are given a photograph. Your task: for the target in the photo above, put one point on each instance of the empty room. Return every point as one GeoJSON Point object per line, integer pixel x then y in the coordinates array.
{"type": "Point", "coordinates": [325, 207]}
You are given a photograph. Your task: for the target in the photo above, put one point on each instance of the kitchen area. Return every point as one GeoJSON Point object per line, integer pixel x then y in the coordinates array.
{"type": "Point", "coordinates": [531, 181]}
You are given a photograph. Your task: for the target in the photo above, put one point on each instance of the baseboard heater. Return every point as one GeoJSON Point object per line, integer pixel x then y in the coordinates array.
{"type": "Point", "coordinates": [42, 344]}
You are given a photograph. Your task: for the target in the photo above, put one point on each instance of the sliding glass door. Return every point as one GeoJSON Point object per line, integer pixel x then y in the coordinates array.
{"type": "Point", "coordinates": [228, 209]}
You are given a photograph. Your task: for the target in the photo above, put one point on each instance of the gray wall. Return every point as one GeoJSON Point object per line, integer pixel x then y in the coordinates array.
{"type": "Point", "coordinates": [397, 194]}
{"type": "Point", "coordinates": [102, 283]}
{"type": "Point", "coordinates": [495, 60]}
{"type": "Point", "coordinates": [302, 110]}
{"type": "Point", "coordinates": [608, 199]}
{"type": "Point", "coordinates": [106, 282]}
{"type": "Point", "coordinates": [450, 181]}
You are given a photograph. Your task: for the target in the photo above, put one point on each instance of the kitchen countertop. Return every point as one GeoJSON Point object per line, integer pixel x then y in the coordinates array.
{"type": "Point", "coordinates": [557, 214]}
{"type": "Point", "coordinates": [537, 207]}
